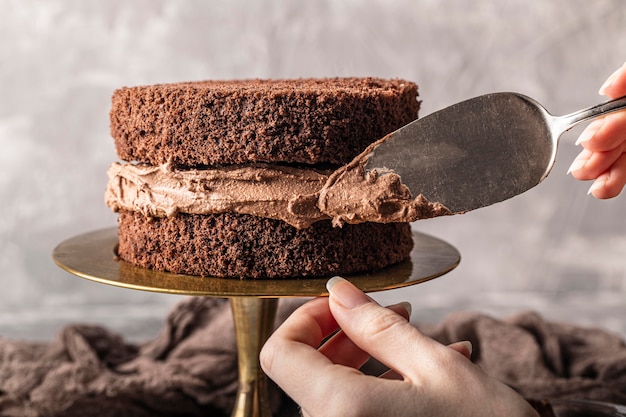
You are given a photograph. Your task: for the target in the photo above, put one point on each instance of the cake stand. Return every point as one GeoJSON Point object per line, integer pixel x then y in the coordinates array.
{"type": "Point", "coordinates": [253, 302]}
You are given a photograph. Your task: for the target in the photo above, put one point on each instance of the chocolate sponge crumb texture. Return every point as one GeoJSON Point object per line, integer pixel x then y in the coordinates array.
{"type": "Point", "coordinates": [306, 121]}
{"type": "Point", "coordinates": [308, 126]}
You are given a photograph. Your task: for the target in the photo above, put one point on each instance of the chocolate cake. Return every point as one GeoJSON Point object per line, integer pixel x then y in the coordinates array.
{"type": "Point", "coordinates": [305, 121]}
{"type": "Point", "coordinates": [221, 177]}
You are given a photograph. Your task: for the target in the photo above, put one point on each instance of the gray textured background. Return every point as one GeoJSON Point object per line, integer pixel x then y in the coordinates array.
{"type": "Point", "coordinates": [554, 249]}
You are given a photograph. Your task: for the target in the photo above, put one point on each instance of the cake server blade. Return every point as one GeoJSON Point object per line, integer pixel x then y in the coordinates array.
{"type": "Point", "coordinates": [480, 151]}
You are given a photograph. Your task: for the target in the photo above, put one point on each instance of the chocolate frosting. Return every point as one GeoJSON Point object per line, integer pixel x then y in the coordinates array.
{"type": "Point", "coordinates": [353, 195]}
{"type": "Point", "coordinates": [257, 189]}
{"type": "Point", "coordinates": [298, 196]}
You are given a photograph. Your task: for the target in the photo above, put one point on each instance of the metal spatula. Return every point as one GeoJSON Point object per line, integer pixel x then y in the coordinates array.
{"type": "Point", "coordinates": [480, 151]}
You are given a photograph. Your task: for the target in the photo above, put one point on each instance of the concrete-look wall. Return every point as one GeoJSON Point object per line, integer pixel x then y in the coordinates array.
{"type": "Point", "coordinates": [553, 249]}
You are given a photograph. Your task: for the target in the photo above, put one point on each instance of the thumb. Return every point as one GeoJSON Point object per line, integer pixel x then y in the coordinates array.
{"type": "Point", "coordinates": [382, 333]}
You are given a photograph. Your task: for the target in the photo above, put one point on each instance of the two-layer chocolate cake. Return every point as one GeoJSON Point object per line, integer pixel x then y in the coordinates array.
{"type": "Point", "coordinates": [233, 178]}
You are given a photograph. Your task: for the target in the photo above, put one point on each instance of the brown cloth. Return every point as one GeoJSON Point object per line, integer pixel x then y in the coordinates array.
{"type": "Point", "coordinates": [542, 359]}
{"type": "Point", "coordinates": [190, 369]}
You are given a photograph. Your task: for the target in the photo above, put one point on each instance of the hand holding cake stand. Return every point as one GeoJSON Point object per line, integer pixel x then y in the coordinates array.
{"type": "Point", "coordinates": [253, 302]}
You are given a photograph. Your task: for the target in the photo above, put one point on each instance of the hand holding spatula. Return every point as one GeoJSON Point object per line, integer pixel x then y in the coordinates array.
{"type": "Point", "coordinates": [603, 158]}
{"type": "Point", "coordinates": [493, 147]}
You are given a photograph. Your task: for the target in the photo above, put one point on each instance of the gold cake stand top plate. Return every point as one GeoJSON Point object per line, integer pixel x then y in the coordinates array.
{"type": "Point", "coordinates": [92, 256]}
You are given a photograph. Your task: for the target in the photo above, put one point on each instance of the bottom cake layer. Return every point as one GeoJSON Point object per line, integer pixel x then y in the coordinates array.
{"type": "Point", "coordinates": [249, 247]}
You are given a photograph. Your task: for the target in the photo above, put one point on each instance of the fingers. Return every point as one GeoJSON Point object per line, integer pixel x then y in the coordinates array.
{"type": "Point", "coordinates": [464, 348]}
{"type": "Point", "coordinates": [427, 378]}
{"type": "Point", "coordinates": [342, 351]}
{"type": "Point", "coordinates": [603, 158]}
{"type": "Point", "coordinates": [385, 335]}
{"type": "Point", "coordinates": [615, 85]}
{"type": "Point", "coordinates": [295, 342]}
{"type": "Point", "coordinates": [611, 183]}
{"type": "Point", "coordinates": [605, 133]}
{"type": "Point", "coordinates": [593, 164]}
{"type": "Point", "coordinates": [291, 359]}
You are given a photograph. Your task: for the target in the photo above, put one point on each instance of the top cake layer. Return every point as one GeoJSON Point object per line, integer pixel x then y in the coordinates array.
{"type": "Point", "coordinates": [302, 121]}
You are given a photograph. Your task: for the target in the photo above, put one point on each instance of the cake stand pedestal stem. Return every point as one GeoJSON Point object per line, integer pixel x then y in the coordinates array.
{"type": "Point", "coordinates": [254, 322]}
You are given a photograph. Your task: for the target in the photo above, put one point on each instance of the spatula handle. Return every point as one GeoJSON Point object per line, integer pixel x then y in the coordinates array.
{"type": "Point", "coordinates": [571, 120]}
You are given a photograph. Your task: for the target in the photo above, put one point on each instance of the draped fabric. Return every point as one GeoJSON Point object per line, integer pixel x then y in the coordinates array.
{"type": "Point", "coordinates": [190, 368]}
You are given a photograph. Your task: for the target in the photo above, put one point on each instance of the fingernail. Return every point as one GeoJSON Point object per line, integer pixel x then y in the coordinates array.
{"type": "Point", "coordinates": [598, 183]}
{"type": "Point", "coordinates": [589, 131]}
{"type": "Point", "coordinates": [610, 80]}
{"type": "Point", "coordinates": [576, 165]}
{"type": "Point", "coordinates": [346, 294]}
{"type": "Point", "coordinates": [468, 346]}
{"type": "Point", "coordinates": [580, 161]}
{"type": "Point", "coordinates": [405, 305]}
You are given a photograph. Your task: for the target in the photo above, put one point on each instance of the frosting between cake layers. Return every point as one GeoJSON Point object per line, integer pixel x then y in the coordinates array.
{"type": "Point", "coordinates": [260, 190]}
{"type": "Point", "coordinates": [297, 196]}
{"type": "Point", "coordinates": [354, 195]}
